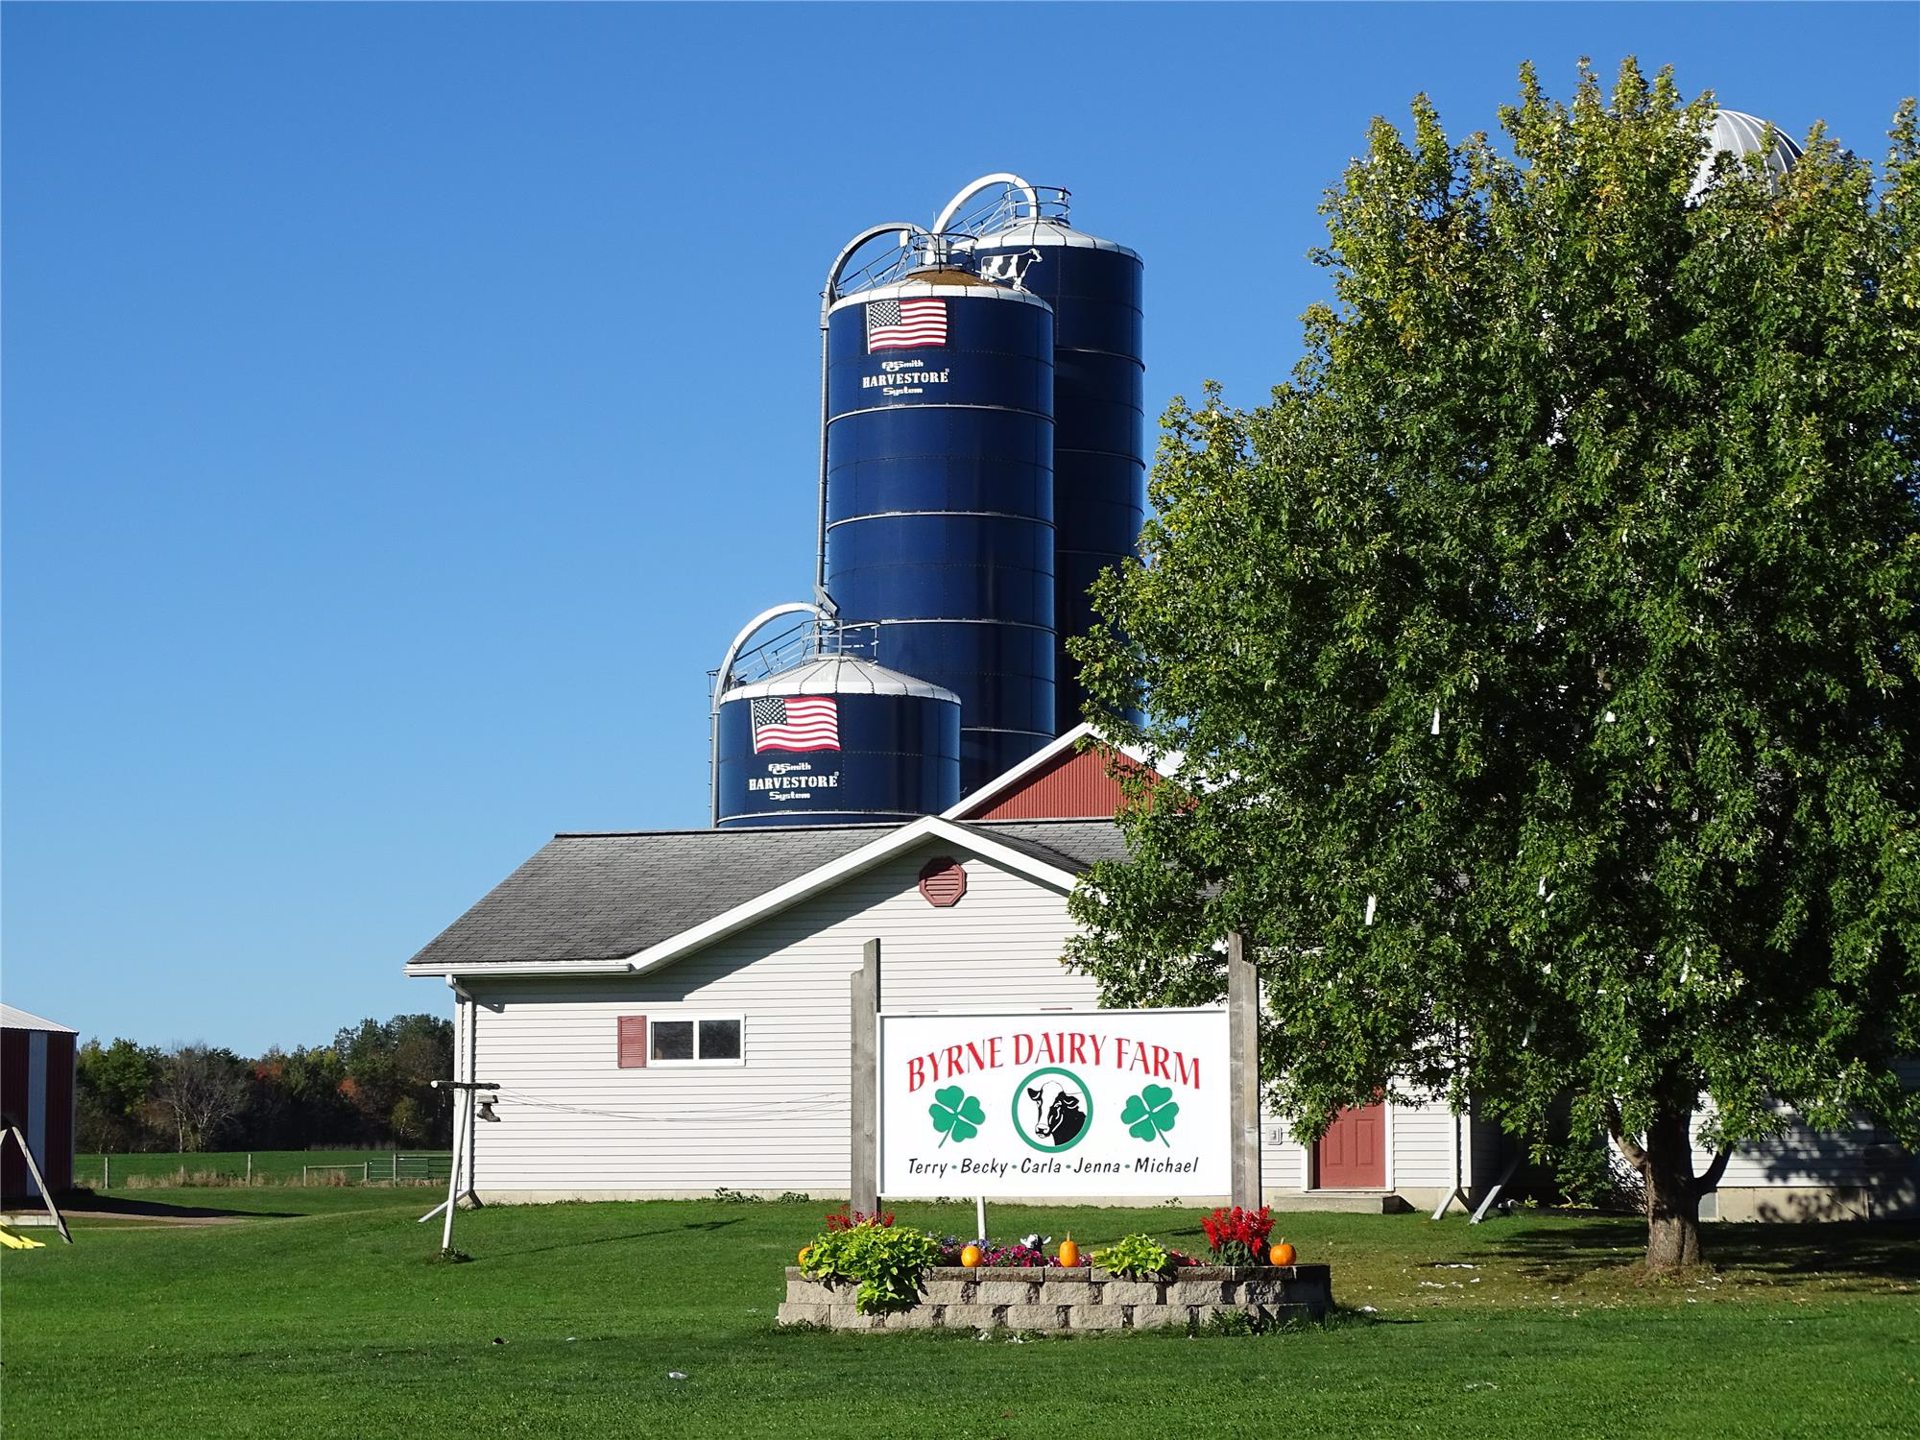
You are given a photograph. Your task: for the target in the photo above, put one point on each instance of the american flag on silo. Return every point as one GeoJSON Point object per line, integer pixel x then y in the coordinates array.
{"type": "Point", "coordinates": [906, 324]}
{"type": "Point", "coordinates": [796, 722]}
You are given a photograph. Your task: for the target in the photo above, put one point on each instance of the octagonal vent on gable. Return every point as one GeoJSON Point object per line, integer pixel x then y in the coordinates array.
{"type": "Point", "coordinates": [942, 881]}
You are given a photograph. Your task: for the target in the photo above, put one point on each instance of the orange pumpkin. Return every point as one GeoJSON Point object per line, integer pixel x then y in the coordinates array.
{"type": "Point", "coordinates": [970, 1256]}
{"type": "Point", "coordinates": [1281, 1254]}
{"type": "Point", "coordinates": [805, 1250]}
{"type": "Point", "coordinates": [1069, 1252]}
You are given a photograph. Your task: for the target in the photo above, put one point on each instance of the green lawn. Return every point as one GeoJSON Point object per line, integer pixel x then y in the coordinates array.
{"type": "Point", "coordinates": [320, 1314]}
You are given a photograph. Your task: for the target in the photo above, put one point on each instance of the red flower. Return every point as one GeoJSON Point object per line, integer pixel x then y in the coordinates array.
{"type": "Point", "coordinates": [842, 1219]}
{"type": "Point", "coordinates": [1239, 1236]}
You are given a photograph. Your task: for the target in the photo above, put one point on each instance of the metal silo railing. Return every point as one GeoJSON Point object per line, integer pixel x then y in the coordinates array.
{"type": "Point", "coordinates": [1010, 200]}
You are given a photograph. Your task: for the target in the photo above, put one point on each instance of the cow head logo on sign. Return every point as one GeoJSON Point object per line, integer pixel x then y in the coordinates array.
{"type": "Point", "coordinates": [1052, 1109]}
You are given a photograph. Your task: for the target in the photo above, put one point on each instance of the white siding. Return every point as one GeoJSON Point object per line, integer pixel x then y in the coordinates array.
{"type": "Point", "coordinates": [573, 1122]}
{"type": "Point", "coordinates": [1806, 1157]}
{"type": "Point", "coordinates": [1283, 1160]}
{"type": "Point", "coordinates": [1861, 1155]}
{"type": "Point", "coordinates": [1421, 1153]}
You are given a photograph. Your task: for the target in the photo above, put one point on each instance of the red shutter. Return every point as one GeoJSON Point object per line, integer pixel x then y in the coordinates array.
{"type": "Point", "coordinates": [633, 1042]}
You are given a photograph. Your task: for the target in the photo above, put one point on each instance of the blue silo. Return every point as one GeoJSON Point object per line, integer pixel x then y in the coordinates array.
{"type": "Point", "coordinates": [938, 478]}
{"type": "Point", "coordinates": [1099, 460]}
{"type": "Point", "coordinates": [835, 740]}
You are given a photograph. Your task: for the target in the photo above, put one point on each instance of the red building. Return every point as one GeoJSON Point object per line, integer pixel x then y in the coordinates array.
{"type": "Point", "coordinates": [36, 1097]}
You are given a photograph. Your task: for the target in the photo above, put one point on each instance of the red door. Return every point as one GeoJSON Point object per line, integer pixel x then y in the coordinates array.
{"type": "Point", "coordinates": [1352, 1155]}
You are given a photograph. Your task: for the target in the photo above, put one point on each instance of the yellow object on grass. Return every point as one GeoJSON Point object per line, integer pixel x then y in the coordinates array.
{"type": "Point", "coordinates": [20, 1242]}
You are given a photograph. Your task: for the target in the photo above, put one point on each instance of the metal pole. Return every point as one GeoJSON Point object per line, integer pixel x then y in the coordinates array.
{"type": "Point", "coordinates": [980, 1216]}
{"type": "Point", "coordinates": [106, 1172]}
{"type": "Point", "coordinates": [462, 1136]}
{"type": "Point", "coordinates": [465, 1001]}
{"type": "Point", "coordinates": [820, 531]}
{"type": "Point", "coordinates": [249, 1167]}
{"type": "Point", "coordinates": [453, 1189]}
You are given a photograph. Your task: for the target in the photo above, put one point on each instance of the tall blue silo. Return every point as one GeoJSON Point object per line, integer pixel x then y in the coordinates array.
{"type": "Point", "coordinates": [1099, 457]}
{"type": "Point", "coordinates": [835, 740]}
{"type": "Point", "coordinates": [939, 498]}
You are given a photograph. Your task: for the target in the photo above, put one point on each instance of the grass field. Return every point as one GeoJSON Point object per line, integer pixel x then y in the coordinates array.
{"type": "Point", "coordinates": [320, 1314]}
{"type": "Point", "coordinates": [273, 1167]}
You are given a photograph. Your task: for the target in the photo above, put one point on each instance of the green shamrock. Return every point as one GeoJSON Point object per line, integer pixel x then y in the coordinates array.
{"type": "Point", "coordinates": [956, 1114]}
{"type": "Point", "coordinates": [1150, 1113]}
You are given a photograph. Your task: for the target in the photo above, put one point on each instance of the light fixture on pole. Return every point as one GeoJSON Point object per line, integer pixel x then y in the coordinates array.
{"type": "Point", "coordinates": [462, 1146]}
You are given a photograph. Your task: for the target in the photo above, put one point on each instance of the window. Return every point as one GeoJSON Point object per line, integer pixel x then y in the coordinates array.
{"type": "Point", "coordinates": [695, 1040]}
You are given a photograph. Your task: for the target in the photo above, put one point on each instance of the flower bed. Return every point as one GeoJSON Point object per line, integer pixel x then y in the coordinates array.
{"type": "Point", "coordinates": [864, 1273]}
{"type": "Point", "coordinates": [1070, 1298]}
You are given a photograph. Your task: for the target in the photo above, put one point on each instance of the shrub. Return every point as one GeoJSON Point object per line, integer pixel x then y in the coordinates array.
{"type": "Point", "coordinates": [1134, 1255]}
{"type": "Point", "coordinates": [1590, 1172]}
{"type": "Point", "coordinates": [887, 1262]}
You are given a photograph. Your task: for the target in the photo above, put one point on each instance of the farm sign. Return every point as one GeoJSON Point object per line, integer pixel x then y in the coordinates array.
{"type": "Point", "coordinates": [1094, 1102]}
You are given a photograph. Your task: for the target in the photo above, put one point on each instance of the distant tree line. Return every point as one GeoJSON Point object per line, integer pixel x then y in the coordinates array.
{"type": "Point", "coordinates": [371, 1086]}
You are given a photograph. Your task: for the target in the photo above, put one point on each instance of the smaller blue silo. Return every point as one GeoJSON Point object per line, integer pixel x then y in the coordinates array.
{"type": "Point", "coordinates": [836, 740]}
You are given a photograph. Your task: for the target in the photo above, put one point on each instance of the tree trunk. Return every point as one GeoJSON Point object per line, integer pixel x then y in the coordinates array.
{"type": "Point", "coordinates": [1665, 1163]}
{"type": "Point", "coordinates": [1673, 1194]}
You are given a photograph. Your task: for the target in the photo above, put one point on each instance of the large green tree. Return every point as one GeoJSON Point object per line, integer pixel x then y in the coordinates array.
{"type": "Point", "coordinates": [1538, 674]}
{"type": "Point", "coordinates": [390, 1069]}
{"type": "Point", "coordinates": [115, 1084]}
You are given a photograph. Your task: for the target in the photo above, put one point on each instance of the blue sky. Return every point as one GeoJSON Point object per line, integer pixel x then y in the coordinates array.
{"type": "Point", "coordinates": [405, 405]}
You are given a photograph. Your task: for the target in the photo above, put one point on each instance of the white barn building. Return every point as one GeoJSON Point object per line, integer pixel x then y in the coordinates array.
{"type": "Point", "coordinates": [667, 1013]}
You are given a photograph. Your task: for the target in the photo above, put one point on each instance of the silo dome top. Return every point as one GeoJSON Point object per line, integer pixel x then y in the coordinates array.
{"type": "Point", "coordinates": [942, 275]}
{"type": "Point", "coordinates": [840, 675]}
{"type": "Point", "coordinates": [934, 282]}
{"type": "Point", "coordinates": [1044, 230]}
{"type": "Point", "coordinates": [1738, 133]}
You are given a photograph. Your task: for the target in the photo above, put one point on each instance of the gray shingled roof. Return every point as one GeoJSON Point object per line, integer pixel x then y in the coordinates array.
{"type": "Point", "coordinates": [608, 896]}
{"type": "Point", "coordinates": [1071, 844]}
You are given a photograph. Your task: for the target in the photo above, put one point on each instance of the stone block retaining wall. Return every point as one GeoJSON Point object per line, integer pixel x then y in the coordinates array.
{"type": "Point", "coordinates": [1080, 1298]}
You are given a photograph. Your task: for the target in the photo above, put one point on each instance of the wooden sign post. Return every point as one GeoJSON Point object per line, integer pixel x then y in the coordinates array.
{"type": "Point", "coordinates": [1243, 1046]}
{"type": "Point", "coordinates": [865, 1109]}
